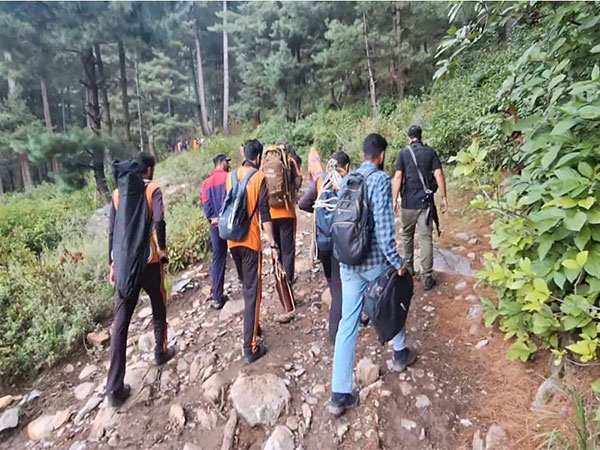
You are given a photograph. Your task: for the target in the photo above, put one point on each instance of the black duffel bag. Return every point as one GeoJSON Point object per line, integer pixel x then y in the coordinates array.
{"type": "Point", "coordinates": [386, 302]}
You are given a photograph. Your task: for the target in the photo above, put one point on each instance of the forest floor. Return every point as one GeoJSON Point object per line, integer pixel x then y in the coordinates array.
{"type": "Point", "coordinates": [460, 386]}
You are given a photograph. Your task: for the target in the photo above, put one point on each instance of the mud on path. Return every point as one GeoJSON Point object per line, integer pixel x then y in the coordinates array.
{"type": "Point", "coordinates": [461, 383]}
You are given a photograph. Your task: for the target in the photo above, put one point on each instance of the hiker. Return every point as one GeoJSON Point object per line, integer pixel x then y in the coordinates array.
{"type": "Point", "coordinates": [418, 175]}
{"type": "Point", "coordinates": [196, 144]}
{"type": "Point", "coordinates": [213, 194]}
{"type": "Point", "coordinates": [247, 250]}
{"type": "Point", "coordinates": [131, 271]}
{"type": "Point", "coordinates": [283, 182]}
{"type": "Point", "coordinates": [323, 192]}
{"type": "Point", "coordinates": [377, 253]}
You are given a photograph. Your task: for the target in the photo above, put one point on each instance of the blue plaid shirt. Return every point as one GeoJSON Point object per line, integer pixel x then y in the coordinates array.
{"type": "Point", "coordinates": [383, 243]}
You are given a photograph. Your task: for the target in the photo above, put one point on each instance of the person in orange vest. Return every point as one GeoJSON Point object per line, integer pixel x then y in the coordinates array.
{"type": "Point", "coordinates": [196, 143]}
{"type": "Point", "coordinates": [152, 282]}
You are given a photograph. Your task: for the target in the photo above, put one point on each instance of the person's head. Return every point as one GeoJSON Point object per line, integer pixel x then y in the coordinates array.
{"type": "Point", "coordinates": [221, 161]}
{"type": "Point", "coordinates": [415, 133]}
{"type": "Point", "coordinates": [253, 151]}
{"type": "Point", "coordinates": [342, 160]}
{"type": "Point", "coordinates": [374, 149]}
{"type": "Point", "coordinates": [147, 164]}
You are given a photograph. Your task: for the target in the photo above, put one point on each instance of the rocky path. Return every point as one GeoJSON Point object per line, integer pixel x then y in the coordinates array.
{"type": "Point", "coordinates": [457, 395]}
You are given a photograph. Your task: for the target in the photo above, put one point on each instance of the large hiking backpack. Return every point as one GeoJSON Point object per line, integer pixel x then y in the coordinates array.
{"type": "Point", "coordinates": [386, 302]}
{"type": "Point", "coordinates": [325, 206]}
{"type": "Point", "coordinates": [131, 235]}
{"type": "Point", "coordinates": [278, 173]}
{"type": "Point", "coordinates": [350, 229]}
{"type": "Point", "coordinates": [234, 222]}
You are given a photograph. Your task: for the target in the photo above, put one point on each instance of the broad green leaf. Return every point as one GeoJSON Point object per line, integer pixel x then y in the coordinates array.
{"type": "Point", "coordinates": [571, 264]}
{"type": "Point", "coordinates": [596, 73]}
{"type": "Point", "coordinates": [587, 202]}
{"type": "Point", "coordinates": [520, 350]}
{"type": "Point", "coordinates": [557, 79]}
{"type": "Point", "coordinates": [541, 286]}
{"type": "Point", "coordinates": [592, 266]}
{"type": "Point", "coordinates": [585, 169]}
{"type": "Point", "coordinates": [570, 322]}
{"type": "Point", "coordinates": [596, 386]}
{"type": "Point", "coordinates": [583, 348]}
{"type": "Point", "coordinates": [593, 217]}
{"type": "Point", "coordinates": [589, 112]}
{"type": "Point", "coordinates": [595, 49]}
{"type": "Point", "coordinates": [545, 244]}
{"type": "Point", "coordinates": [576, 221]}
{"type": "Point", "coordinates": [582, 258]}
{"type": "Point", "coordinates": [564, 125]}
{"type": "Point", "coordinates": [583, 237]}
{"type": "Point", "coordinates": [559, 279]}
{"type": "Point", "coordinates": [550, 156]}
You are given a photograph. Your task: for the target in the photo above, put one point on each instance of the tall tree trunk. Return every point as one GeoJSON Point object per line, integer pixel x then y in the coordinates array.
{"type": "Point", "coordinates": [1, 185]}
{"type": "Point", "coordinates": [94, 120]}
{"type": "Point", "coordinates": [198, 108]}
{"type": "Point", "coordinates": [64, 112]}
{"type": "Point", "coordinates": [102, 86]}
{"type": "Point", "coordinates": [138, 92]}
{"type": "Point", "coordinates": [398, 71]}
{"type": "Point", "coordinates": [204, 123]}
{"type": "Point", "coordinates": [48, 120]}
{"type": "Point", "coordinates": [370, 65]}
{"type": "Point", "coordinates": [25, 171]}
{"type": "Point", "coordinates": [124, 96]}
{"type": "Point", "coordinates": [13, 90]}
{"type": "Point", "coordinates": [225, 72]}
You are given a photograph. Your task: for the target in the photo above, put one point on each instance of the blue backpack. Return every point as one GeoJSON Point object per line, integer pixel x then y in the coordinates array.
{"type": "Point", "coordinates": [234, 222]}
{"type": "Point", "coordinates": [324, 207]}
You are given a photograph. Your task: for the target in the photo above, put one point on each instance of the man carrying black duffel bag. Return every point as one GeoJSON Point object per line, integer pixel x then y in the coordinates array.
{"type": "Point", "coordinates": [363, 242]}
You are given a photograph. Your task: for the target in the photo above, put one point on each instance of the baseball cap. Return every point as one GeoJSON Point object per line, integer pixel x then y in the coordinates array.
{"type": "Point", "coordinates": [219, 158]}
{"type": "Point", "coordinates": [415, 131]}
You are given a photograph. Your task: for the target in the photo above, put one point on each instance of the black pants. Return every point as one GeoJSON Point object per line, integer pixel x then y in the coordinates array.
{"type": "Point", "coordinates": [153, 284]}
{"type": "Point", "coordinates": [285, 237]}
{"type": "Point", "coordinates": [331, 269]}
{"type": "Point", "coordinates": [248, 263]}
{"type": "Point", "coordinates": [217, 268]}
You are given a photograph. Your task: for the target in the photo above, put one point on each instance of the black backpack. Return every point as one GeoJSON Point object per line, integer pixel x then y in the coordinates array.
{"type": "Point", "coordinates": [234, 222]}
{"type": "Point", "coordinates": [386, 302]}
{"type": "Point", "coordinates": [131, 234]}
{"type": "Point", "coordinates": [350, 229]}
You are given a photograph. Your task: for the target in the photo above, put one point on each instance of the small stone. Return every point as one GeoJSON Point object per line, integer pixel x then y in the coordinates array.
{"type": "Point", "coordinates": [41, 427]}
{"type": "Point", "coordinates": [474, 330]}
{"type": "Point", "coordinates": [281, 439]}
{"type": "Point", "coordinates": [113, 441]}
{"type": "Point", "coordinates": [326, 297]}
{"type": "Point", "coordinates": [406, 388]}
{"type": "Point", "coordinates": [30, 397]}
{"type": "Point", "coordinates": [145, 312]}
{"type": "Point", "coordinates": [83, 390]}
{"type": "Point", "coordinates": [408, 424]}
{"type": "Point", "coordinates": [91, 404]}
{"type": "Point", "coordinates": [78, 445]}
{"type": "Point", "coordinates": [418, 373]}
{"type": "Point", "coordinates": [88, 371]}
{"type": "Point", "coordinates": [182, 366]}
{"type": "Point", "coordinates": [7, 400]}
{"type": "Point", "coordinates": [342, 429]}
{"type": "Point", "coordinates": [545, 392]}
{"type": "Point", "coordinates": [461, 286]}
{"type": "Point", "coordinates": [463, 236]}
{"type": "Point", "coordinates": [231, 309]}
{"type": "Point", "coordinates": [307, 414]}
{"type": "Point", "coordinates": [9, 418]}
{"type": "Point", "coordinates": [177, 415]}
{"type": "Point", "coordinates": [213, 386]}
{"type": "Point", "coordinates": [61, 417]}
{"type": "Point", "coordinates": [466, 423]}
{"type": "Point", "coordinates": [146, 342]}
{"type": "Point", "coordinates": [260, 399]}
{"type": "Point", "coordinates": [189, 446]}
{"type": "Point", "coordinates": [423, 402]}
{"type": "Point", "coordinates": [318, 390]}
{"type": "Point", "coordinates": [292, 423]}
{"type": "Point", "coordinates": [473, 241]}
{"type": "Point", "coordinates": [287, 367]}
{"type": "Point", "coordinates": [315, 350]}
{"type": "Point", "coordinates": [496, 438]}
{"type": "Point", "coordinates": [367, 371]}
{"type": "Point", "coordinates": [69, 369]}
{"type": "Point", "coordinates": [472, 298]}
{"type": "Point", "coordinates": [207, 420]}
{"type": "Point", "coordinates": [477, 441]}
{"type": "Point", "coordinates": [98, 338]}
{"type": "Point", "coordinates": [475, 312]}
{"type": "Point", "coordinates": [482, 343]}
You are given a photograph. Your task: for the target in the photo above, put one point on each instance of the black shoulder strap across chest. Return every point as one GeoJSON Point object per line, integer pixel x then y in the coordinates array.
{"type": "Point", "coordinates": [419, 173]}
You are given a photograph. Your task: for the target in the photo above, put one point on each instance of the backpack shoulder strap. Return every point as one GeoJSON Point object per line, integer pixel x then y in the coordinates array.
{"type": "Point", "coordinates": [247, 177]}
{"type": "Point", "coordinates": [151, 188]}
{"type": "Point", "coordinates": [414, 158]}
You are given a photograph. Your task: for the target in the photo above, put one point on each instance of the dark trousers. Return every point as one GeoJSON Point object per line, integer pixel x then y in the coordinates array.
{"type": "Point", "coordinates": [217, 268]}
{"type": "Point", "coordinates": [331, 269]}
{"type": "Point", "coordinates": [153, 284]}
{"type": "Point", "coordinates": [285, 237]}
{"type": "Point", "coordinates": [248, 263]}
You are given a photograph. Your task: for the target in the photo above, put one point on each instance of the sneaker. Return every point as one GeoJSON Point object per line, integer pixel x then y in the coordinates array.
{"type": "Point", "coordinates": [117, 398]}
{"type": "Point", "coordinates": [429, 283]}
{"type": "Point", "coordinates": [249, 358]}
{"type": "Point", "coordinates": [164, 357]}
{"type": "Point", "coordinates": [217, 305]}
{"type": "Point", "coordinates": [340, 403]}
{"type": "Point", "coordinates": [402, 359]}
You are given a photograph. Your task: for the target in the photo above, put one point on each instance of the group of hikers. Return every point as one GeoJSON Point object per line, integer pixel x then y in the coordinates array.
{"type": "Point", "coordinates": [354, 239]}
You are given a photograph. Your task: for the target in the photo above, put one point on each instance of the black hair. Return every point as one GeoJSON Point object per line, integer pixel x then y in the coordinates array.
{"type": "Point", "coordinates": [145, 161]}
{"type": "Point", "coordinates": [342, 158]}
{"type": "Point", "coordinates": [252, 149]}
{"type": "Point", "coordinates": [374, 145]}
{"type": "Point", "coordinates": [415, 132]}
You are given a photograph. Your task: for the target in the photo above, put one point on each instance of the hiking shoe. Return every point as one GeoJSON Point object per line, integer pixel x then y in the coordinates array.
{"type": "Point", "coordinates": [164, 357]}
{"type": "Point", "coordinates": [429, 283]}
{"type": "Point", "coordinates": [117, 398]}
{"type": "Point", "coordinates": [217, 305]}
{"type": "Point", "coordinates": [249, 358]}
{"type": "Point", "coordinates": [402, 359]}
{"type": "Point", "coordinates": [340, 403]}
{"type": "Point", "coordinates": [364, 320]}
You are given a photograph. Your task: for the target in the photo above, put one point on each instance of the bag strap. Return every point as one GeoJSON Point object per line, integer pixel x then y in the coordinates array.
{"type": "Point", "coordinates": [244, 184]}
{"type": "Point", "coordinates": [414, 158]}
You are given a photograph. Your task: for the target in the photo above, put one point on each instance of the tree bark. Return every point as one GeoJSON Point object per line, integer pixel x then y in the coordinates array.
{"type": "Point", "coordinates": [225, 72]}
{"type": "Point", "coordinates": [124, 96]}
{"type": "Point", "coordinates": [1, 185]}
{"type": "Point", "coordinates": [64, 112]}
{"type": "Point", "coordinates": [48, 119]}
{"type": "Point", "coordinates": [13, 90]}
{"type": "Point", "coordinates": [204, 123]}
{"type": "Point", "coordinates": [198, 109]}
{"type": "Point", "coordinates": [25, 171]}
{"type": "Point", "coordinates": [397, 60]}
{"type": "Point", "coordinates": [138, 91]}
{"type": "Point", "coordinates": [102, 86]}
{"type": "Point", "coordinates": [370, 66]}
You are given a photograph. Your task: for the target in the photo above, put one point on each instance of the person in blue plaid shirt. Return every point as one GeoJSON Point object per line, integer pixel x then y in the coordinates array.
{"type": "Point", "coordinates": [355, 279]}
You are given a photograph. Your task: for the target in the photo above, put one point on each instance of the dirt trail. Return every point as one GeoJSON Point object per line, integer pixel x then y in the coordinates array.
{"type": "Point", "coordinates": [460, 384]}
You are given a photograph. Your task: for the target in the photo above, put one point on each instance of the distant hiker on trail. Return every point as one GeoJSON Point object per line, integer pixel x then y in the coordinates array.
{"type": "Point", "coordinates": [321, 199]}
{"type": "Point", "coordinates": [246, 207]}
{"type": "Point", "coordinates": [283, 179]}
{"type": "Point", "coordinates": [418, 175]}
{"type": "Point", "coordinates": [213, 194]}
{"type": "Point", "coordinates": [371, 249]}
{"type": "Point", "coordinates": [196, 144]}
{"type": "Point", "coordinates": [137, 252]}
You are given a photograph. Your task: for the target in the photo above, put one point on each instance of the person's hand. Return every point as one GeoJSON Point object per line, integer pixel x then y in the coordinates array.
{"type": "Point", "coordinates": [162, 256]}
{"type": "Point", "coordinates": [214, 221]}
{"type": "Point", "coordinates": [275, 251]}
{"type": "Point", "coordinates": [396, 207]}
{"type": "Point", "coordinates": [402, 270]}
{"type": "Point", "coordinates": [111, 275]}
{"type": "Point", "coordinates": [444, 205]}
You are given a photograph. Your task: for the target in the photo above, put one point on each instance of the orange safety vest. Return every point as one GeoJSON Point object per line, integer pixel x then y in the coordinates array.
{"type": "Point", "coordinates": [150, 189]}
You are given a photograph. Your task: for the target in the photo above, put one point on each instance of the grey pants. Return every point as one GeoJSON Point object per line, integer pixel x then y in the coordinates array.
{"type": "Point", "coordinates": [411, 219]}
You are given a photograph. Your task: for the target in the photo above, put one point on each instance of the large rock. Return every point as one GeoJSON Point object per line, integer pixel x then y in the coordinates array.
{"type": "Point", "coordinates": [281, 439]}
{"type": "Point", "coordinates": [545, 392]}
{"type": "Point", "coordinates": [97, 224]}
{"type": "Point", "coordinates": [213, 386]}
{"type": "Point", "coordinates": [104, 420]}
{"type": "Point", "coordinates": [61, 417]}
{"type": "Point", "coordinates": [88, 371]}
{"type": "Point", "coordinates": [146, 342]}
{"type": "Point", "coordinates": [98, 338]}
{"type": "Point", "coordinates": [6, 401]}
{"type": "Point", "coordinates": [9, 418]}
{"type": "Point", "coordinates": [367, 371]}
{"type": "Point", "coordinates": [231, 309]}
{"type": "Point", "coordinates": [260, 399]}
{"type": "Point", "coordinates": [448, 262]}
{"type": "Point", "coordinates": [177, 415]}
{"type": "Point", "coordinates": [91, 404]}
{"type": "Point", "coordinates": [83, 390]}
{"type": "Point", "coordinates": [41, 427]}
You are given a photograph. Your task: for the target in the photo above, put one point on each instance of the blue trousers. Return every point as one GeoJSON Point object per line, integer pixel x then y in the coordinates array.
{"type": "Point", "coordinates": [217, 268]}
{"type": "Point", "coordinates": [353, 286]}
